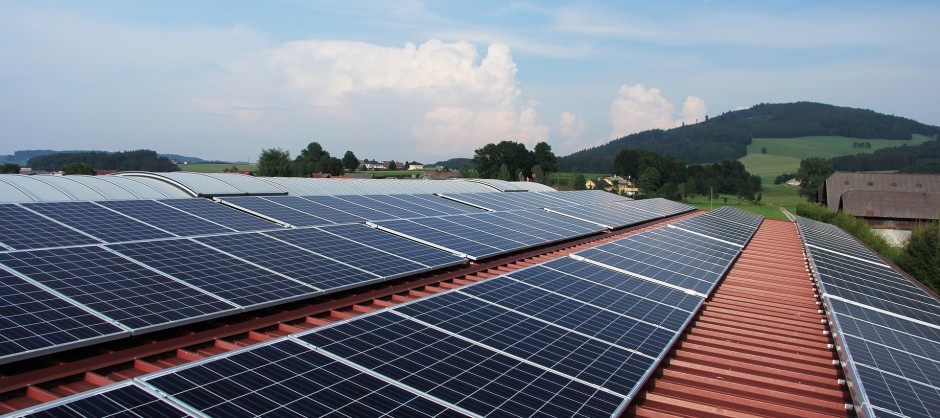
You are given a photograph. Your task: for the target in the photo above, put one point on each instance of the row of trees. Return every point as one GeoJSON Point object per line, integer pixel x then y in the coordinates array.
{"type": "Point", "coordinates": [917, 158]}
{"type": "Point", "coordinates": [276, 162]}
{"type": "Point", "coordinates": [140, 160]}
{"type": "Point", "coordinates": [510, 160]}
{"type": "Point", "coordinates": [664, 176]}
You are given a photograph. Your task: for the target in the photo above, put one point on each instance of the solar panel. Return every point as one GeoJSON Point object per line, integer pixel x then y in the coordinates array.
{"type": "Point", "coordinates": [418, 204]}
{"type": "Point", "coordinates": [718, 228]}
{"type": "Point", "coordinates": [440, 203]}
{"type": "Point", "coordinates": [97, 221]}
{"type": "Point", "coordinates": [519, 237]}
{"type": "Point", "coordinates": [661, 269]}
{"type": "Point", "coordinates": [229, 278]}
{"type": "Point", "coordinates": [285, 378]}
{"type": "Point", "coordinates": [459, 372]}
{"type": "Point", "coordinates": [35, 321]}
{"type": "Point", "coordinates": [556, 348]}
{"type": "Point", "coordinates": [275, 211]}
{"type": "Point", "coordinates": [609, 215]}
{"type": "Point", "coordinates": [21, 229]}
{"type": "Point", "coordinates": [438, 238]}
{"type": "Point", "coordinates": [165, 217]}
{"type": "Point", "coordinates": [138, 298]}
{"type": "Point", "coordinates": [395, 244]}
{"type": "Point", "coordinates": [348, 207]}
{"type": "Point", "coordinates": [220, 214]}
{"type": "Point", "coordinates": [594, 321]}
{"type": "Point", "coordinates": [553, 221]}
{"type": "Point", "coordinates": [374, 260]}
{"type": "Point", "coordinates": [523, 227]}
{"type": "Point", "coordinates": [121, 400]}
{"type": "Point", "coordinates": [297, 263]}
{"type": "Point", "coordinates": [380, 203]}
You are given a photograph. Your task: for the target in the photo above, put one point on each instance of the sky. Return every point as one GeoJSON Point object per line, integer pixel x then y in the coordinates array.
{"type": "Point", "coordinates": [432, 80]}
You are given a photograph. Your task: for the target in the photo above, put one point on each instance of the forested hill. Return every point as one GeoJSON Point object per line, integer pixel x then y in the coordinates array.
{"type": "Point", "coordinates": [727, 136]}
{"type": "Point", "coordinates": [143, 160]}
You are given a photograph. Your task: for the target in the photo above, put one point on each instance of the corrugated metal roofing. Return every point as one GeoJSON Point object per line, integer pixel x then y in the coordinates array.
{"type": "Point", "coordinates": [759, 347]}
{"type": "Point", "coordinates": [904, 205]}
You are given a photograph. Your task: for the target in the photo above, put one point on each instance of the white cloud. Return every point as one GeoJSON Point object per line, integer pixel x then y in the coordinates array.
{"type": "Point", "coordinates": [457, 102]}
{"type": "Point", "coordinates": [570, 126]}
{"type": "Point", "coordinates": [638, 109]}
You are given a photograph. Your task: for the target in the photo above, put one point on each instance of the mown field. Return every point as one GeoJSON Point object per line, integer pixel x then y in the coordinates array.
{"type": "Point", "coordinates": [784, 154]}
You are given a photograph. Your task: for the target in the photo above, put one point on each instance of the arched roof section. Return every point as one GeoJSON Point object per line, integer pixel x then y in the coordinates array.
{"type": "Point", "coordinates": [500, 185]}
{"type": "Point", "coordinates": [210, 184]}
{"type": "Point", "coordinates": [106, 190]}
{"type": "Point", "coordinates": [10, 193]}
{"type": "Point", "coordinates": [532, 187]}
{"type": "Point", "coordinates": [247, 184]}
{"type": "Point", "coordinates": [144, 189]}
{"type": "Point", "coordinates": [38, 191]}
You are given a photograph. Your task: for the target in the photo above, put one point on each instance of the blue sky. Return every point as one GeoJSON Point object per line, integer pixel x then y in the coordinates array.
{"type": "Point", "coordinates": [414, 80]}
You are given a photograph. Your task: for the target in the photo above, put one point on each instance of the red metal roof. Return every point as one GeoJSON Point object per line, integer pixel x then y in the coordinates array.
{"type": "Point", "coordinates": [759, 347]}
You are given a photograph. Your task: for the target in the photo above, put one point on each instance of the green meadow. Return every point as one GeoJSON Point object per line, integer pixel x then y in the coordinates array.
{"type": "Point", "coordinates": [215, 168]}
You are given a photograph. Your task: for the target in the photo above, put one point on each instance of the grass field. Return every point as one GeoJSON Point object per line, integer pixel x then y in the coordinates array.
{"type": "Point", "coordinates": [215, 168]}
{"type": "Point", "coordinates": [784, 154]}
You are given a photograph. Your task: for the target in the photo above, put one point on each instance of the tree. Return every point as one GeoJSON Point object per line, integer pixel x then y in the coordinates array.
{"type": "Point", "coordinates": [309, 159]}
{"type": "Point", "coordinates": [921, 257]}
{"type": "Point", "coordinates": [578, 182]}
{"type": "Point", "coordinates": [350, 162]}
{"type": "Point", "coordinates": [10, 168]}
{"type": "Point", "coordinates": [392, 165]}
{"type": "Point", "coordinates": [543, 157]}
{"type": "Point", "coordinates": [812, 174]}
{"type": "Point", "coordinates": [332, 165]}
{"type": "Point", "coordinates": [274, 162]}
{"type": "Point", "coordinates": [78, 168]}
{"type": "Point", "coordinates": [491, 157]}
{"type": "Point", "coordinates": [649, 180]}
{"type": "Point", "coordinates": [539, 174]}
{"type": "Point", "coordinates": [504, 173]}
{"type": "Point", "coordinates": [763, 150]}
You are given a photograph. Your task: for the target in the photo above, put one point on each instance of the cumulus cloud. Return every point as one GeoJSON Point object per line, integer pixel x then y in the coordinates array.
{"type": "Point", "coordinates": [571, 126]}
{"type": "Point", "coordinates": [458, 101]}
{"type": "Point", "coordinates": [638, 109]}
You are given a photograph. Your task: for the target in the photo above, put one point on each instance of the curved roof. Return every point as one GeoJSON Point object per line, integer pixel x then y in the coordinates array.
{"type": "Point", "coordinates": [532, 186]}
{"type": "Point", "coordinates": [210, 184]}
{"type": "Point", "coordinates": [52, 188]}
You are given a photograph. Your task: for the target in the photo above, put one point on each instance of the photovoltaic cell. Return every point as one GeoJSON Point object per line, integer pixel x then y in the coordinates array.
{"type": "Point", "coordinates": [116, 287]}
{"type": "Point", "coordinates": [227, 277]}
{"type": "Point", "coordinates": [442, 239]}
{"type": "Point", "coordinates": [662, 269]}
{"type": "Point", "coordinates": [440, 203]}
{"type": "Point", "coordinates": [127, 400]}
{"type": "Point", "coordinates": [299, 264]}
{"type": "Point", "coordinates": [612, 327]}
{"type": "Point", "coordinates": [21, 229]}
{"type": "Point", "coordinates": [395, 244]}
{"type": "Point", "coordinates": [556, 348]}
{"type": "Point", "coordinates": [350, 208]}
{"type": "Point", "coordinates": [378, 204]}
{"type": "Point", "coordinates": [34, 321]}
{"type": "Point", "coordinates": [349, 252]}
{"type": "Point", "coordinates": [469, 376]}
{"type": "Point", "coordinates": [288, 379]}
{"type": "Point", "coordinates": [718, 228]}
{"type": "Point", "coordinates": [164, 217]}
{"type": "Point", "coordinates": [417, 206]}
{"type": "Point", "coordinates": [274, 210]}
{"type": "Point", "coordinates": [220, 214]}
{"type": "Point", "coordinates": [97, 221]}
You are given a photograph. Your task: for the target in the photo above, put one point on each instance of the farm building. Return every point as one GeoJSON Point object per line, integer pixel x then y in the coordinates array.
{"type": "Point", "coordinates": [889, 199]}
{"type": "Point", "coordinates": [178, 294]}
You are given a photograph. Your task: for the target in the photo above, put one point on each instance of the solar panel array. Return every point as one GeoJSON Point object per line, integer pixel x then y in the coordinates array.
{"type": "Point", "coordinates": [886, 326]}
{"type": "Point", "coordinates": [574, 336]}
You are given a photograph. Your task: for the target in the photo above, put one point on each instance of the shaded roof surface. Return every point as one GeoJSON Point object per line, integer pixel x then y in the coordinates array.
{"type": "Point", "coordinates": [841, 182]}
{"type": "Point", "coordinates": [50, 188]}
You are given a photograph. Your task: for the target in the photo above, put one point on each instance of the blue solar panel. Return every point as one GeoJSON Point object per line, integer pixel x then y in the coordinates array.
{"type": "Point", "coordinates": [440, 203]}
{"type": "Point", "coordinates": [374, 260]}
{"type": "Point", "coordinates": [348, 207]}
{"type": "Point", "coordinates": [122, 400]}
{"type": "Point", "coordinates": [116, 287]}
{"type": "Point", "coordinates": [542, 343]}
{"type": "Point", "coordinates": [461, 373]}
{"type": "Point", "coordinates": [165, 217]}
{"type": "Point", "coordinates": [652, 266]}
{"type": "Point", "coordinates": [594, 321]}
{"type": "Point", "coordinates": [417, 205]}
{"type": "Point", "coordinates": [395, 244]}
{"type": "Point", "coordinates": [897, 396]}
{"type": "Point", "coordinates": [610, 215]}
{"type": "Point", "coordinates": [378, 203]}
{"type": "Point", "coordinates": [279, 212]}
{"type": "Point", "coordinates": [449, 224]}
{"type": "Point", "coordinates": [719, 228]}
{"type": "Point", "coordinates": [520, 237]}
{"type": "Point", "coordinates": [439, 238]}
{"type": "Point", "coordinates": [227, 277]}
{"type": "Point", "coordinates": [552, 221]}
{"type": "Point", "coordinates": [518, 226]}
{"type": "Point", "coordinates": [220, 214]}
{"type": "Point", "coordinates": [97, 221]}
{"type": "Point", "coordinates": [33, 321]}
{"type": "Point", "coordinates": [288, 379]}
{"type": "Point", "coordinates": [299, 264]}
{"type": "Point", "coordinates": [21, 229]}
{"type": "Point", "coordinates": [650, 303]}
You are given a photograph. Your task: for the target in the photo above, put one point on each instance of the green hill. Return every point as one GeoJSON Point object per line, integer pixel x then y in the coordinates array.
{"type": "Point", "coordinates": [729, 135]}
